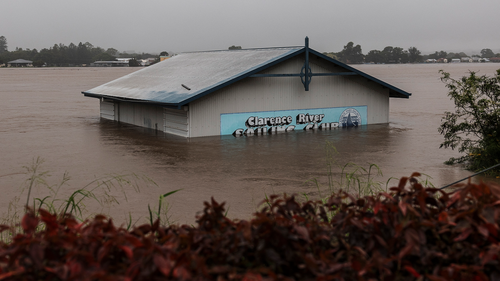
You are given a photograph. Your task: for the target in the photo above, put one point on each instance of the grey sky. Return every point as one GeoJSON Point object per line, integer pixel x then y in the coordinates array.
{"type": "Point", "coordinates": [189, 25]}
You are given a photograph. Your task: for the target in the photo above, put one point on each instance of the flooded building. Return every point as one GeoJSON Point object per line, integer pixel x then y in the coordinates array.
{"type": "Point", "coordinates": [20, 63]}
{"type": "Point", "coordinates": [247, 92]}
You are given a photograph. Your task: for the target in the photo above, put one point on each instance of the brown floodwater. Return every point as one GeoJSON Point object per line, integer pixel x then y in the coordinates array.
{"type": "Point", "coordinates": [44, 115]}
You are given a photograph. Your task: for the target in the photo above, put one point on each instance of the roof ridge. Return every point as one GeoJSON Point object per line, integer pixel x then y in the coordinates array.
{"type": "Point", "coordinates": [248, 49]}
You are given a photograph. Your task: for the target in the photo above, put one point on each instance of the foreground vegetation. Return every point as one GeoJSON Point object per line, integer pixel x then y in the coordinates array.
{"type": "Point", "coordinates": [409, 232]}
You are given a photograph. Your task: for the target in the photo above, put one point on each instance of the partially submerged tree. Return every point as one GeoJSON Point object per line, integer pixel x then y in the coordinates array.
{"type": "Point", "coordinates": [474, 126]}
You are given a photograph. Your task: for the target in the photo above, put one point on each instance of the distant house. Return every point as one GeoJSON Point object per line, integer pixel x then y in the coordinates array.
{"type": "Point", "coordinates": [123, 59]}
{"type": "Point", "coordinates": [430, 60]}
{"type": "Point", "coordinates": [466, 59]}
{"type": "Point", "coordinates": [20, 63]}
{"type": "Point", "coordinates": [113, 63]}
{"type": "Point", "coordinates": [495, 59]}
{"type": "Point", "coordinates": [455, 60]}
{"type": "Point", "coordinates": [148, 61]}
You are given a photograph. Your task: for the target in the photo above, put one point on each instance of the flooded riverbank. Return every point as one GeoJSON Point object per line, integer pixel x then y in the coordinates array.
{"type": "Point", "coordinates": [44, 115]}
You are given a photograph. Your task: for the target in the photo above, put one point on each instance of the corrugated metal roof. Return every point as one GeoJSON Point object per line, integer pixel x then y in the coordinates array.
{"type": "Point", "coordinates": [200, 72]}
{"type": "Point", "coordinates": [189, 76]}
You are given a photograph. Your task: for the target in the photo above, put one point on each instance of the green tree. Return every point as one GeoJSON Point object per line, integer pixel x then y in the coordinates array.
{"type": "Point", "coordinates": [474, 126]}
{"type": "Point", "coordinates": [351, 54]}
{"type": "Point", "coordinates": [487, 53]}
{"type": "Point", "coordinates": [164, 54]}
{"type": "Point", "coordinates": [414, 55]}
{"type": "Point", "coordinates": [112, 51]}
{"type": "Point", "coordinates": [387, 54]}
{"type": "Point", "coordinates": [375, 56]}
{"type": "Point", "coordinates": [400, 55]}
{"type": "Point", "coordinates": [3, 44]}
{"type": "Point", "coordinates": [83, 54]}
{"type": "Point", "coordinates": [234, 48]}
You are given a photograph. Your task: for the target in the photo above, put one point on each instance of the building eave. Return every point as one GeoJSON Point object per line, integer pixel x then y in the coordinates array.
{"type": "Point", "coordinates": [394, 92]}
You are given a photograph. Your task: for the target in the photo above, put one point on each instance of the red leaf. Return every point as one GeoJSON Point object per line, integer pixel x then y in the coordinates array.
{"type": "Point", "coordinates": [75, 269]}
{"type": "Point", "coordinates": [11, 273]}
{"type": "Point", "coordinates": [182, 273]}
{"type": "Point", "coordinates": [402, 206]}
{"type": "Point", "coordinates": [302, 232]}
{"type": "Point", "coordinates": [454, 199]}
{"type": "Point", "coordinates": [29, 222]}
{"type": "Point", "coordinates": [402, 182]}
{"type": "Point", "coordinates": [162, 264]}
{"type": "Point", "coordinates": [463, 235]}
{"type": "Point", "coordinates": [435, 277]}
{"type": "Point", "coordinates": [250, 276]}
{"type": "Point", "coordinates": [387, 195]}
{"type": "Point", "coordinates": [412, 271]}
{"type": "Point", "coordinates": [443, 216]}
{"type": "Point", "coordinates": [381, 241]}
{"type": "Point", "coordinates": [483, 230]}
{"type": "Point", "coordinates": [492, 229]}
{"type": "Point", "coordinates": [405, 250]}
{"type": "Point", "coordinates": [495, 189]}
{"type": "Point", "coordinates": [377, 207]}
{"type": "Point", "coordinates": [127, 251]}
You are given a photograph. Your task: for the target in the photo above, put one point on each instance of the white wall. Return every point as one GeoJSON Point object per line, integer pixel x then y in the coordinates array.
{"type": "Point", "coordinates": [147, 116]}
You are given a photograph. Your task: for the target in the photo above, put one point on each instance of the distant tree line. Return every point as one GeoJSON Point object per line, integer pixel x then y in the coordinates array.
{"type": "Point", "coordinates": [71, 55]}
{"type": "Point", "coordinates": [353, 54]}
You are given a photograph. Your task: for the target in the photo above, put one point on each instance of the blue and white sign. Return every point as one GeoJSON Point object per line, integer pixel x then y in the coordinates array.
{"type": "Point", "coordinates": [272, 122]}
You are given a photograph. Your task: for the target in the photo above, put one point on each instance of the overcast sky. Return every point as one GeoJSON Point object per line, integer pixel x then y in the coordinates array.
{"type": "Point", "coordinates": [191, 25]}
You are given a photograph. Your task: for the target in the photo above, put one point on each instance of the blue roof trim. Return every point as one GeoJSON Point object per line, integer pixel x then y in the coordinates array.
{"type": "Point", "coordinates": [394, 91]}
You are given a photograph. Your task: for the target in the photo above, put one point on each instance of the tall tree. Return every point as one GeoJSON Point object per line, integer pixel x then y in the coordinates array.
{"type": "Point", "coordinates": [387, 54]}
{"type": "Point", "coordinates": [374, 56]}
{"type": "Point", "coordinates": [487, 53]}
{"type": "Point", "coordinates": [112, 51]}
{"type": "Point", "coordinates": [3, 44]}
{"type": "Point", "coordinates": [352, 54]}
{"type": "Point", "coordinates": [414, 55]}
{"type": "Point", "coordinates": [83, 54]}
{"type": "Point", "coordinates": [400, 55]}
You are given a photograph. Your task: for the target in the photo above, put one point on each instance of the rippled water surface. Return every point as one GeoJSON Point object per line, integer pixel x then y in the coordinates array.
{"type": "Point", "coordinates": [43, 114]}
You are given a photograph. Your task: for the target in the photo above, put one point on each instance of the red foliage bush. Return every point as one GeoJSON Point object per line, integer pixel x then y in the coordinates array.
{"type": "Point", "coordinates": [411, 233]}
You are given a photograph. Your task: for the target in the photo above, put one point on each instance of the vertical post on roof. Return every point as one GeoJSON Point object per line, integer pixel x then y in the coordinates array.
{"type": "Point", "coordinates": [305, 73]}
{"type": "Point", "coordinates": [307, 63]}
